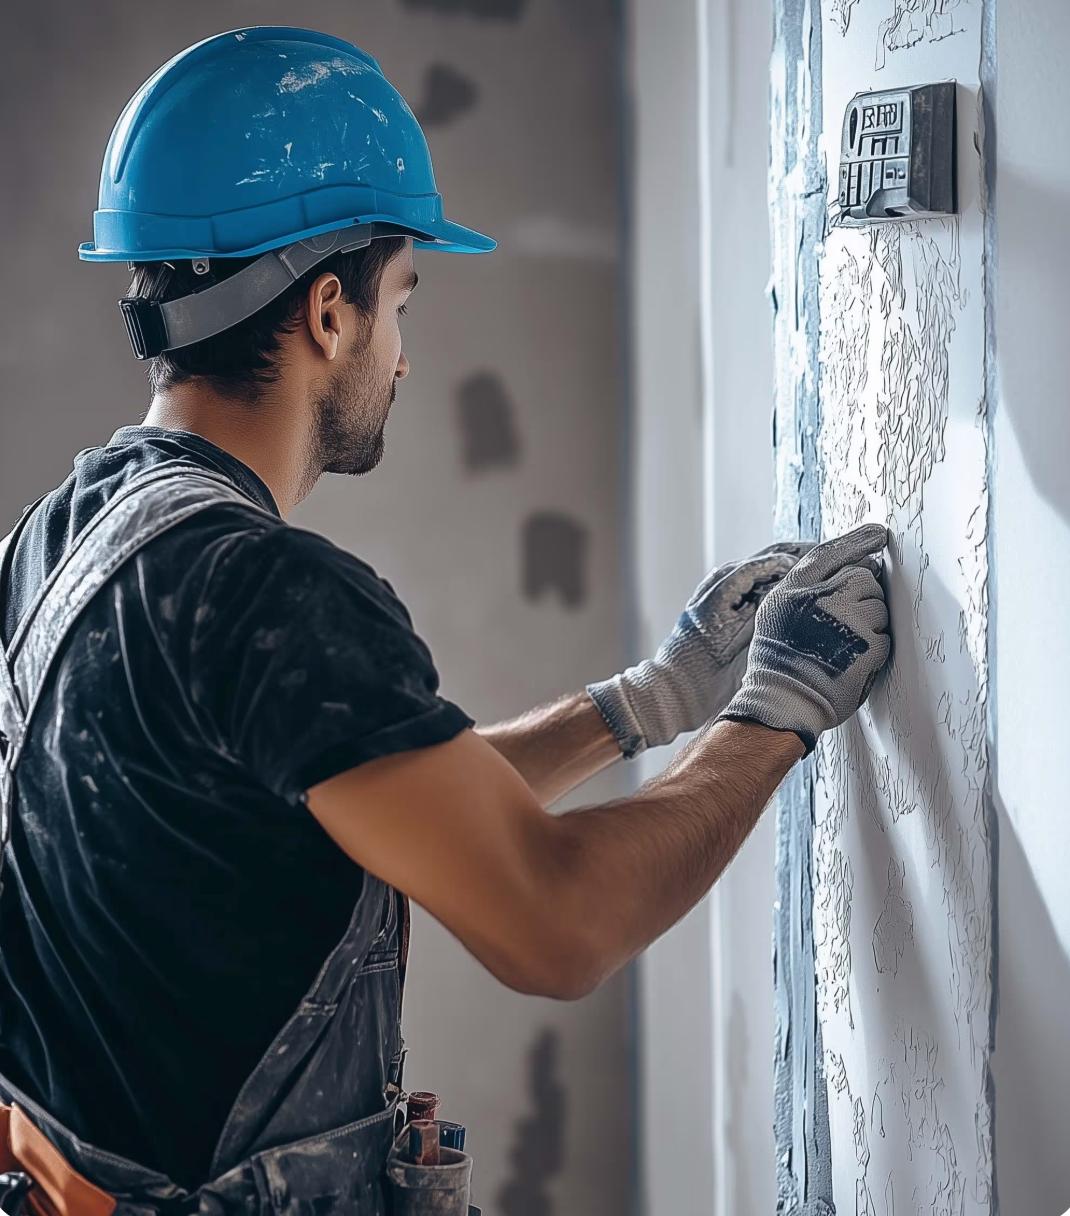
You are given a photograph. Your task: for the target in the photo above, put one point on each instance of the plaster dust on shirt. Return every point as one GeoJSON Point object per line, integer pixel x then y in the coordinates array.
{"type": "Point", "coordinates": [232, 664]}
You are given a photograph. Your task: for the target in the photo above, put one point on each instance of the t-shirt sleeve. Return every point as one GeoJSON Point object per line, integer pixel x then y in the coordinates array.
{"type": "Point", "coordinates": [305, 663]}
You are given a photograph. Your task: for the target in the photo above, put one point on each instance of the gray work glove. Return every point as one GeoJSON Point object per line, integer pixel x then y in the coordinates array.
{"type": "Point", "coordinates": [701, 663]}
{"type": "Point", "coordinates": [820, 638]}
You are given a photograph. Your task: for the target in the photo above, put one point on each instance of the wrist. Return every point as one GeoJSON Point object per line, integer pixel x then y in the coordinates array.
{"type": "Point", "coordinates": [786, 743]}
{"type": "Point", "coordinates": [678, 690]}
{"type": "Point", "coordinates": [611, 701]}
{"type": "Point", "coordinates": [749, 754]}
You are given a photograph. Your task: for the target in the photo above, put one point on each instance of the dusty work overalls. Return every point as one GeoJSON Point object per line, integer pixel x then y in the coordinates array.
{"type": "Point", "coordinates": [311, 1127]}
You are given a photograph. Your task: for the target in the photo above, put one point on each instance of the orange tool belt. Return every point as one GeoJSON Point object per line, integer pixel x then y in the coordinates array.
{"type": "Point", "coordinates": [58, 1189]}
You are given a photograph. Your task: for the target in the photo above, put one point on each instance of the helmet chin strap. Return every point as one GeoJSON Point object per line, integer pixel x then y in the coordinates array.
{"type": "Point", "coordinates": [154, 327]}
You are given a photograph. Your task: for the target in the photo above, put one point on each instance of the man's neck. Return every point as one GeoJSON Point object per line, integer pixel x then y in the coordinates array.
{"type": "Point", "coordinates": [262, 435]}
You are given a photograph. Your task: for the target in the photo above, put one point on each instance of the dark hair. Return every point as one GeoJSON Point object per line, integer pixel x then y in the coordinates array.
{"type": "Point", "coordinates": [240, 361]}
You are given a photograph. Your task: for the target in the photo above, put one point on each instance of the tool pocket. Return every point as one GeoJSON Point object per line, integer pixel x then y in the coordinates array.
{"type": "Point", "coordinates": [429, 1190]}
{"type": "Point", "coordinates": [336, 1172]}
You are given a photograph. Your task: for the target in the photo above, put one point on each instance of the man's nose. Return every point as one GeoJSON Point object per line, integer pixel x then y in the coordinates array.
{"type": "Point", "coordinates": [403, 367]}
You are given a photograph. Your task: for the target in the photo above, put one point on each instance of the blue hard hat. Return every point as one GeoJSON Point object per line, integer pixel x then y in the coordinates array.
{"type": "Point", "coordinates": [260, 138]}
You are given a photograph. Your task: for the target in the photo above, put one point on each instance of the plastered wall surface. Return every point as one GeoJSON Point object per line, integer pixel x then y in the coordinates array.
{"type": "Point", "coordinates": [498, 511]}
{"type": "Point", "coordinates": [900, 884]}
{"type": "Point", "coordinates": [902, 849]}
{"type": "Point", "coordinates": [902, 853]}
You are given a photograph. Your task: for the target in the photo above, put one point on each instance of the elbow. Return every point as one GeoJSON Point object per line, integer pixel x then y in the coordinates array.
{"type": "Point", "coordinates": [573, 987]}
{"type": "Point", "coordinates": [554, 938]}
{"type": "Point", "coordinates": [563, 967]}
{"type": "Point", "coordinates": [562, 983]}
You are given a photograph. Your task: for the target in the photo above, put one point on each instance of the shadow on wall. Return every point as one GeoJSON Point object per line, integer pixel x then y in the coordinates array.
{"type": "Point", "coordinates": [736, 1134]}
{"type": "Point", "coordinates": [538, 1151]}
{"type": "Point", "coordinates": [1035, 265]}
{"type": "Point", "coordinates": [1031, 1032]}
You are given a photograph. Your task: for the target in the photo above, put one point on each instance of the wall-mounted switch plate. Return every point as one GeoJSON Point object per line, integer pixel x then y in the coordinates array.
{"type": "Point", "coordinates": [897, 155]}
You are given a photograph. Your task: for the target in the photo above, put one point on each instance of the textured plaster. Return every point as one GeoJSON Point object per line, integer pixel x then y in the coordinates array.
{"type": "Point", "coordinates": [898, 882]}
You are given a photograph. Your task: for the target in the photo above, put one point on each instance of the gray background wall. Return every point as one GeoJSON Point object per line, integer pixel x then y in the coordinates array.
{"type": "Point", "coordinates": [524, 345]}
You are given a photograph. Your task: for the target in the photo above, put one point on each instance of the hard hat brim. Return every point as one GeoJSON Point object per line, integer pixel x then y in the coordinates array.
{"type": "Point", "coordinates": [441, 234]}
{"type": "Point", "coordinates": [455, 238]}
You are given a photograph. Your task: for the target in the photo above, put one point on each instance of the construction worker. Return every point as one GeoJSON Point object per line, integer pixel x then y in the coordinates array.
{"type": "Point", "coordinates": [227, 765]}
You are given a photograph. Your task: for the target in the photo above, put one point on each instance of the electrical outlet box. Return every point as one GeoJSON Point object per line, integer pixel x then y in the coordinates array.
{"type": "Point", "coordinates": [897, 155]}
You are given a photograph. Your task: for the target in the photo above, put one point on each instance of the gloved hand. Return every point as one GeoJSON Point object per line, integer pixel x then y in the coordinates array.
{"type": "Point", "coordinates": [820, 638]}
{"type": "Point", "coordinates": [701, 663]}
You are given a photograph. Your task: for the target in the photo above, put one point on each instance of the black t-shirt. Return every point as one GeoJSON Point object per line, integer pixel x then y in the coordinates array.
{"type": "Point", "coordinates": [169, 897]}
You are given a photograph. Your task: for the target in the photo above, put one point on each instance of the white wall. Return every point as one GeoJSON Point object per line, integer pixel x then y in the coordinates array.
{"type": "Point", "coordinates": [1030, 594]}
{"type": "Point", "coordinates": [675, 1132]}
{"type": "Point", "coordinates": [703, 486]}
{"type": "Point", "coordinates": [739, 484]}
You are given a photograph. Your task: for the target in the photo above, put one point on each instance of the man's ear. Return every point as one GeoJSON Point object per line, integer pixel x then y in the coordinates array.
{"type": "Point", "coordinates": [323, 313]}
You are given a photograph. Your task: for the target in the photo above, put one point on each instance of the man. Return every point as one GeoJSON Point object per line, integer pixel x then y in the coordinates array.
{"type": "Point", "coordinates": [227, 762]}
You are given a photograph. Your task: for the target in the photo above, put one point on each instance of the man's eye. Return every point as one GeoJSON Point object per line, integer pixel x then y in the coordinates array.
{"type": "Point", "coordinates": [403, 310]}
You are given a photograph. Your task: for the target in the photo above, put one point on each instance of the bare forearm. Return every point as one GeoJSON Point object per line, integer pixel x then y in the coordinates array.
{"type": "Point", "coordinates": [555, 747]}
{"type": "Point", "coordinates": [627, 871]}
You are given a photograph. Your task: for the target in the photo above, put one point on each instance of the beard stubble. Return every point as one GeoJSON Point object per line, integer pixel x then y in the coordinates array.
{"type": "Point", "coordinates": [350, 416]}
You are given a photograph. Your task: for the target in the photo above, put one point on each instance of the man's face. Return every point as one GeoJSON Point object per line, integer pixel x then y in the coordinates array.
{"type": "Point", "coordinates": [351, 411]}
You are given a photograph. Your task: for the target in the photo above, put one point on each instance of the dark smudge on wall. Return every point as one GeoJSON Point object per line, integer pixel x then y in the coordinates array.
{"type": "Point", "coordinates": [447, 94]}
{"type": "Point", "coordinates": [488, 426]}
{"type": "Point", "coordinates": [555, 557]}
{"type": "Point", "coordinates": [503, 10]}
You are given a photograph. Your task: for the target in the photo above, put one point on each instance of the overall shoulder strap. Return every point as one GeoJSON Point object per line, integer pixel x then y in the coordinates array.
{"type": "Point", "coordinates": [12, 710]}
{"type": "Point", "coordinates": [144, 509]}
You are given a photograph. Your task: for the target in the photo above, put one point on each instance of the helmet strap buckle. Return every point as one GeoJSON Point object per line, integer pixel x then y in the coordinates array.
{"type": "Point", "coordinates": [144, 326]}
